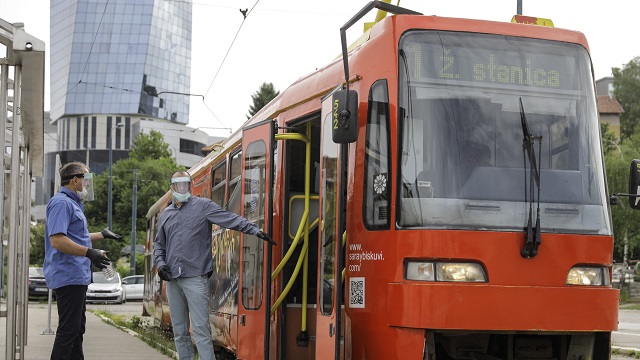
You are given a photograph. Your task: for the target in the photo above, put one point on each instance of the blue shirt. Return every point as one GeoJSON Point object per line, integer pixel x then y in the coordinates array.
{"type": "Point", "coordinates": [65, 215]}
{"type": "Point", "coordinates": [183, 241]}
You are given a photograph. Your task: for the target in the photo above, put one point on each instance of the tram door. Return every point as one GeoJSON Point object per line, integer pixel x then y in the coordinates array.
{"type": "Point", "coordinates": [253, 291]}
{"type": "Point", "coordinates": [326, 339]}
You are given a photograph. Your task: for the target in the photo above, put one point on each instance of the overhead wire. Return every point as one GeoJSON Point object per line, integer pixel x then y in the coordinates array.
{"type": "Point", "coordinates": [245, 16]}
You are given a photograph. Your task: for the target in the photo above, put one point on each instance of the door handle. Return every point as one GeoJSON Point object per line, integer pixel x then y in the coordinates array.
{"type": "Point", "coordinates": [332, 330]}
{"type": "Point", "coordinates": [242, 319]}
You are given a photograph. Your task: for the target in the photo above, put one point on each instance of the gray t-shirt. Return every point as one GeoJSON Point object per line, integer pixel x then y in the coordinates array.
{"type": "Point", "coordinates": [183, 241]}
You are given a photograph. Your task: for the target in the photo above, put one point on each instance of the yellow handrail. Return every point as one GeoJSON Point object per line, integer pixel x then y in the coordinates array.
{"type": "Point", "coordinates": [304, 224]}
{"type": "Point", "coordinates": [285, 291]}
{"type": "Point", "coordinates": [305, 214]}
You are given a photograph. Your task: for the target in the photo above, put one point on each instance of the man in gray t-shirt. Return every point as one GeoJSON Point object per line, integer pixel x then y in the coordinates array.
{"type": "Point", "coordinates": [182, 254]}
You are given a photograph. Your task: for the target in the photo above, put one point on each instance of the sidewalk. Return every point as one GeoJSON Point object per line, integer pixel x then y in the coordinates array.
{"type": "Point", "coordinates": [101, 340]}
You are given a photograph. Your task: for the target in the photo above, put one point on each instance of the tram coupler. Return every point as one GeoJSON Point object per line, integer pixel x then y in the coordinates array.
{"type": "Point", "coordinates": [302, 339]}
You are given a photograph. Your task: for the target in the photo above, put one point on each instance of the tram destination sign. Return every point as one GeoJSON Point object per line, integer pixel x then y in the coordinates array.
{"type": "Point", "coordinates": [518, 67]}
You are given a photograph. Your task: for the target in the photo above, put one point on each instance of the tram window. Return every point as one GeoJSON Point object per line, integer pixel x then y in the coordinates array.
{"type": "Point", "coordinates": [218, 190]}
{"type": "Point", "coordinates": [375, 208]}
{"type": "Point", "coordinates": [254, 200]}
{"type": "Point", "coordinates": [329, 216]}
{"type": "Point", "coordinates": [235, 202]}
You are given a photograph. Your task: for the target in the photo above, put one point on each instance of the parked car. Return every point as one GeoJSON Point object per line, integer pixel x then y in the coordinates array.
{"type": "Point", "coordinates": [629, 274]}
{"type": "Point", "coordinates": [133, 286]}
{"type": "Point", "coordinates": [37, 283]}
{"type": "Point", "coordinates": [106, 291]}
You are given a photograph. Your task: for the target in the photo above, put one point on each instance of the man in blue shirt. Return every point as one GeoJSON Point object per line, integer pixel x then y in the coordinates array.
{"type": "Point", "coordinates": [182, 254]}
{"type": "Point", "coordinates": [68, 257]}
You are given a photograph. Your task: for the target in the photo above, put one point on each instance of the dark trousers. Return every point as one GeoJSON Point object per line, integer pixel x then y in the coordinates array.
{"type": "Point", "coordinates": [71, 322]}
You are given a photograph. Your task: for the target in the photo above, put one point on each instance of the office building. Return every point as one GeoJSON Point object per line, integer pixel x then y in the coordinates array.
{"type": "Point", "coordinates": [119, 68]}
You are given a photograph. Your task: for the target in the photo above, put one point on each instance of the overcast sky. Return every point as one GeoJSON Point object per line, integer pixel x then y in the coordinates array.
{"type": "Point", "coordinates": [283, 40]}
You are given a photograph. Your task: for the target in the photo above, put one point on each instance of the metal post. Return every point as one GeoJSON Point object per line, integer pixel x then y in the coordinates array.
{"type": "Point", "coordinates": [25, 235]}
{"type": "Point", "coordinates": [134, 214]}
{"type": "Point", "coordinates": [4, 80]}
{"type": "Point", "coordinates": [110, 175]}
{"type": "Point", "coordinates": [519, 10]}
{"type": "Point", "coordinates": [48, 330]}
{"type": "Point", "coordinates": [13, 311]}
{"type": "Point", "coordinates": [2, 259]}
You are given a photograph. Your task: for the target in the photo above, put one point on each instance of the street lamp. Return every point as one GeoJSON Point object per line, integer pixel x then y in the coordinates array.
{"type": "Point", "coordinates": [118, 126]}
{"type": "Point", "coordinates": [134, 216]}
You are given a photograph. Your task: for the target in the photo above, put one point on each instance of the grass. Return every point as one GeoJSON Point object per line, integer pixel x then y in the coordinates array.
{"type": "Point", "coordinates": [630, 306]}
{"type": "Point", "coordinates": [153, 336]}
{"type": "Point", "coordinates": [156, 338]}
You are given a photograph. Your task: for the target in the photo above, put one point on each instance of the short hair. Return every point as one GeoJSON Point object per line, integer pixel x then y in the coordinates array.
{"type": "Point", "coordinates": [71, 168]}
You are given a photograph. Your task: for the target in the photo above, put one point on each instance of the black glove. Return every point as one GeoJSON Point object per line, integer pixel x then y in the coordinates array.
{"type": "Point", "coordinates": [164, 273]}
{"type": "Point", "coordinates": [108, 234]}
{"type": "Point", "coordinates": [264, 236]}
{"type": "Point", "coordinates": [97, 259]}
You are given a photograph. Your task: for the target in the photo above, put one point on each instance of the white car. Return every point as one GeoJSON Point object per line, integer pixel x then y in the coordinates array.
{"type": "Point", "coordinates": [133, 286]}
{"type": "Point", "coordinates": [104, 291]}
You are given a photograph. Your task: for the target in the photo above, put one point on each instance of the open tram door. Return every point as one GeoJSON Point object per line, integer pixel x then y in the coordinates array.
{"type": "Point", "coordinates": [329, 339]}
{"type": "Point", "coordinates": [254, 287]}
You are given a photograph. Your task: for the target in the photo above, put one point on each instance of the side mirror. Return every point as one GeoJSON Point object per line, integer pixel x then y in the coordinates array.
{"type": "Point", "coordinates": [124, 282]}
{"type": "Point", "coordinates": [634, 184]}
{"type": "Point", "coordinates": [345, 117]}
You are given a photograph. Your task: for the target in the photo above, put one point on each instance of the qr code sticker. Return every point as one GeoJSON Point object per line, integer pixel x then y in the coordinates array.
{"type": "Point", "coordinates": [356, 292]}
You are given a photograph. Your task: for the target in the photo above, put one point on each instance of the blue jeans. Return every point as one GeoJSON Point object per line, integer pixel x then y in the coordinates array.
{"type": "Point", "coordinates": [190, 296]}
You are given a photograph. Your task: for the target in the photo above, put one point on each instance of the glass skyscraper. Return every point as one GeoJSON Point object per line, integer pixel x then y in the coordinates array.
{"type": "Point", "coordinates": [119, 68]}
{"type": "Point", "coordinates": [121, 57]}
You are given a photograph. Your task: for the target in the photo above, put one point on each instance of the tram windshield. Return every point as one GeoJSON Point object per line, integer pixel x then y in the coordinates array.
{"type": "Point", "coordinates": [462, 163]}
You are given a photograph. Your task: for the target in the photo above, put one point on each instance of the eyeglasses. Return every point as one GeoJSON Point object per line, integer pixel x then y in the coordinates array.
{"type": "Point", "coordinates": [85, 176]}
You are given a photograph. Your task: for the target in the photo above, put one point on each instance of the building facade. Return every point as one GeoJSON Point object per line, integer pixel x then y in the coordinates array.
{"type": "Point", "coordinates": [118, 68]}
{"type": "Point", "coordinates": [121, 57]}
{"type": "Point", "coordinates": [609, 109]}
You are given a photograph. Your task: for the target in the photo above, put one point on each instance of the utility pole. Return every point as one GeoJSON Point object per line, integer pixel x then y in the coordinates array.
{"type": "Point", "coordinates": [109, 179]}
{"type": "Point", "coordinates": [110, 136]}
{"type": "Point", "coordinates": [134, 206]}
{"type": "Point", "coordinates": [519, 10]}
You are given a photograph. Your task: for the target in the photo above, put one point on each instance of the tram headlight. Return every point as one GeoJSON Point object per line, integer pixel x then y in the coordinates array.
{"type": "Point", "coordinates": [588, 276]}
{"type": "Point", "coordinates": [465, 272]}
{"type": "Point", "coordinates": [420, 271]}
{"type": "Point", "coordinates": [445, 271]}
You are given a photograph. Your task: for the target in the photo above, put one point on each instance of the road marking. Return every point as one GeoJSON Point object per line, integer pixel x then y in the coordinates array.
{"type": "Point", "coordinates": [623, 333]}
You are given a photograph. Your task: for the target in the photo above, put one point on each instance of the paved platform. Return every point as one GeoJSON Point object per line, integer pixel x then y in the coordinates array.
{"type": "Point", "coordinates": [101, 340]}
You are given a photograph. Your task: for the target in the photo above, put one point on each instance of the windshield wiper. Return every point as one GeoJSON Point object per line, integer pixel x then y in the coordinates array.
{"type": "Point", "coordinates": [532, 234]}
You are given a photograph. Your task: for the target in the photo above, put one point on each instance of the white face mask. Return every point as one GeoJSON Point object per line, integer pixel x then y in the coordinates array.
{"type": "Point", "coordinates": [82, 194]}
{"type": "Point", "coordinates": [181, 197]}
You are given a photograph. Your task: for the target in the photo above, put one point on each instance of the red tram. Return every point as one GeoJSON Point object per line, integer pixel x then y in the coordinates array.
{"type": "Point", "coordinates": [450, 203]}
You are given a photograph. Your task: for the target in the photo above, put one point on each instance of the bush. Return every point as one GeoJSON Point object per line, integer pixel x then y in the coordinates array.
{"type": "Point", "coordinates": [624, 294]}
{"type": "Point", "coordinates": [123, 267]}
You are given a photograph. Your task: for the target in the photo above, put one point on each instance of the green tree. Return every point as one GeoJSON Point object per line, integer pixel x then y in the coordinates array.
{"type": "Point", "coordinates": [150, 146]}
{"type": "Point", "coordinates": [626, 221]}
{"type": "Point", "coordinates": [260, 98]}
{"type": "Point", "coordinates": [151, 157]}
{"type": "Point", "coordinates": [626, 82]}
{"type": "Point", "coordinates": [36, 253]}
{"type": "Point", "coordinates": [610, 141]}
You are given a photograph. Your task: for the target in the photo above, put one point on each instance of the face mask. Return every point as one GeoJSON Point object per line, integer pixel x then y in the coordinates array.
{"type": "Point", "coordinates": [181, 197]}
{"type": "Point", "coordinates": [82, 194]}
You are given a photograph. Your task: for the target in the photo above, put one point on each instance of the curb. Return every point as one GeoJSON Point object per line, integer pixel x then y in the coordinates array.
{"type": "Point", "coordinates": [626, 351]}
{"type": "Point", "coordinates": [135, 334]}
